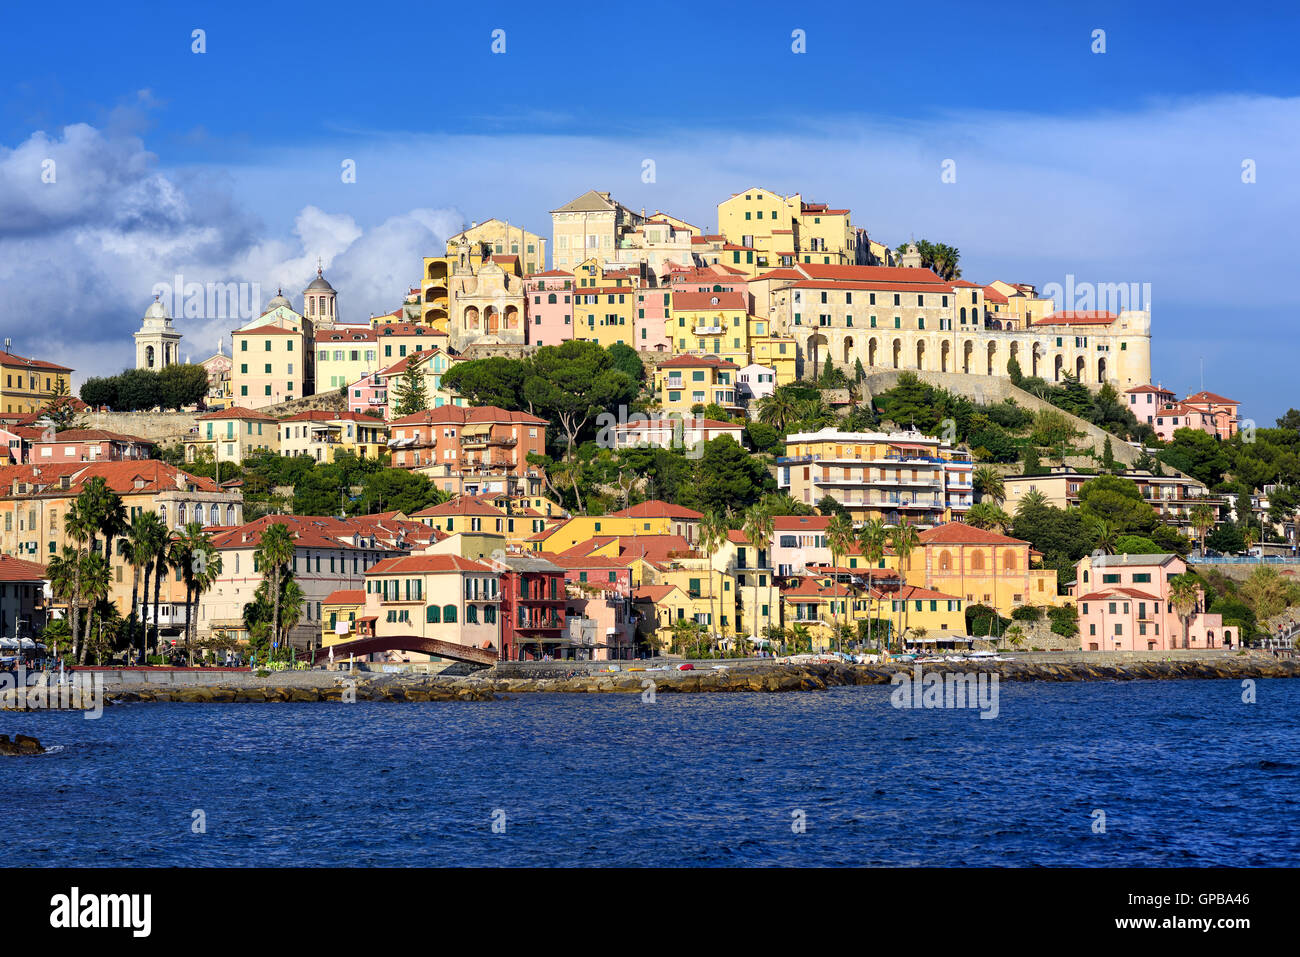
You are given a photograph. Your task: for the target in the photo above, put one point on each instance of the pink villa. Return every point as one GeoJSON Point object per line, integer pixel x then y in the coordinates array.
{"type": "Point", "coordinates": [652, 318]}
{"type": "Point", "coordinates": [369, 392]}
{"type": "Point", "coordinates": [1206, 411]}
{"type": "Point", "coordinates": [548, 307]}
{"type": "Point", "coordinates": [1124, 606]}
{"type": "Point", "coordinates": [90, 445]}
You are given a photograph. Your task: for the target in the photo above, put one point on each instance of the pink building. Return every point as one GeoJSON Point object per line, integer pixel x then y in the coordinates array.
{"type": "Point", "coordinates": [1206, 411]}
{"type": "Point", "coordinates": [369, 392]}
{"type": "Point", "coordinates": [90, 445]}
{"type": "Point", "coordinates": [1124, 606]}
{"type": "Point", "coordinates": [548, 307]}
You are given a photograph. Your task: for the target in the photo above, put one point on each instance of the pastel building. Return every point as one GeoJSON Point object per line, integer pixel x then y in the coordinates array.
{"type": "Point", "coordinates": [345, 354]}
{"type": "Point", "coordinates": [549, 307]}
{"type": "Point", "coordinates": [29, 385]}
{"type": "Point", "coordinates": [322, 435]}
{"type": "Point", "coordinates": [981, 567]}
{"type": "Point", "coordinates": [1124, 605]}
{"type": "Point", "coordinates": [666, 432]}
{"type": "Point", "coordinates": [889, 476]}
{"type": "Point", "coordinates": [441, 596]}
{"type": "Point", "coordinates": [688, 381]}
{"type": "Point", "coordinates": [471, 450]}
{"type": "Point", "coordinates": [90, 445]}
{"type": "Point", "coordinates": [232, 434]}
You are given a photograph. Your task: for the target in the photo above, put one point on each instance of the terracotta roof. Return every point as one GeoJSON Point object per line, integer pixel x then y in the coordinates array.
{"type": "Point", "coordinates": [959, 533]}
{"type": "Point", "coordinates": [458, 415]}
{"type": "Point", "coordinates": [914, 593]}
{"type": "Point", "coordinates": [16, 570]}
{"type": "Point", "coordinates": [9, 359]}
{"type": "Point", "coordinates": [461, 505]}
{"type": "Point", "coordinates": [654, 593]}
{"type": "Point", "coordinates": [237, 412]}
{"type": "Point", "coordinates": [346, 596]}
{"type": "Point", "coordinates": [683, 300]}
{"type": "Point", "coordinates": [1151, 388]}
{"type": "Point", "coordinates": [154, 476]}
{"type": "Point", "coordinates": [713, 362]}
{"type": "Point", "coordinates": [796, 523]}
{"type": "Point", "coordinates": [1204, 396]}
{"type": "Point", "coordinates": [885, 274]}
{"type": "Point", "coordinates": [268, 331]}
{"type": "Point", "coordinates": [309, 531]}
{"type": "Point", "coordinates": [1093, 318]}
{"type": "Point", "coordinates": [100, 435]}
{"type": "Point", "coordinates": [658, 509]}
{"type": "Point", "coordinates": [427, 563]}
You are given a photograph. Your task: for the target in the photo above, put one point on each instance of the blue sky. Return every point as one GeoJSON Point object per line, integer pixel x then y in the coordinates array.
{"type": "Point", "coordinates": [1115, 167]}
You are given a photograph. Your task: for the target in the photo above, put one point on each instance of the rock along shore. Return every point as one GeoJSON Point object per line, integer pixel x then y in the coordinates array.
{"type": "Point", "coordinates": [766, 677]}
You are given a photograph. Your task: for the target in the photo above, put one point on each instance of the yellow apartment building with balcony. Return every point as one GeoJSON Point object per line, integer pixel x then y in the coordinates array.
{"type": "Point", "coordinates": [345, 354]}
{"type": "Point", "coordinates": [323, 435]}
{"type": "Point", "coordinates": [29, 385]}
{"type": "Point", "coordinates": [687, 381]}
{"type": "Point", "coordinates": [232, 434]}
{"type": "Point", "coordinates": [888, 476]}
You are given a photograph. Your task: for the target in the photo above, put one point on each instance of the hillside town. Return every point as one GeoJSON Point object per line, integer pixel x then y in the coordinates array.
{"type": "Point", "coordinates": [779, 437]}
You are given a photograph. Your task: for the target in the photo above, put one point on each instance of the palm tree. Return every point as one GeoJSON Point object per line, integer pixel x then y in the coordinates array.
{"type": "Point", "coordinates": [79, 529]}
{"type": "Point", "coordinates": [904, 539]}
{"type": "Point", "coordinates": [194, 556]}
{"type": "Point", "coordinates": [1203, 519]}
{"type": "Point", "coordinates": [96, 582]}
{"type": "Point", "coordinates": [713, 532]}
{"type": "Point", "coordinates": [759, 526]}
{"type": "Point", "coordinates": [291, 610]}
{"type": "Point", "coordinates": [872, 537]}
{"type": "Point", "coordinates": [161, 552]}
{"type": "Point", "coordinates": [1033, 499]}
{"type": "Point", "coordinates": [779, 409]}
{"type": "Point", "coordinates": [1104, 534]}
{"type": "Point", "coordinates": [64, 571]}
{"type": "Point", "coordinates": [840, 539]}
{"type": "Point", "coordinates": [273, 555]}
{"type": "Point", "coordinates": [1184, 596]}
{"type": "Point", "coordinates": [137, 548]}
{"type": "Point", "coordinates": [986, 515]}
{"type": "Point", "coordinates": [988, 483]}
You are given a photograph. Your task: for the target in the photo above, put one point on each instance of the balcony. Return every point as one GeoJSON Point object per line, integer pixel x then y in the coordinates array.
{"type": "Point", "coordinates": [708, 330]}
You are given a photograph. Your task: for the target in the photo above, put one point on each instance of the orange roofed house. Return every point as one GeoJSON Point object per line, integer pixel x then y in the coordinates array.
{"type": "Point", "coordinates": [471, 450]}
{"type": "Point", "coordinates": [981, 567]}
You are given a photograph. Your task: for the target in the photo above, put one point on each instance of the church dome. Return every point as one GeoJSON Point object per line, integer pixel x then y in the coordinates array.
{"type": "Point", "coordinates": [319, 284]}
{"type": "Point", "coordinates": [278, 300]}
{"type": "Point", "coordinates": [156, 310]}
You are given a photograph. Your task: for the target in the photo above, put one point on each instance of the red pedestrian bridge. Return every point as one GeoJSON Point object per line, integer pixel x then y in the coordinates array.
{"type": "Point", "coordinates": [426, 646]}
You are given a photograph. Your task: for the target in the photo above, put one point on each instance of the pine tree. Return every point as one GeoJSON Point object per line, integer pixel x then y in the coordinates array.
{"type": "Point", "coordinates": [409, 393]}
{"type": "Point", "coordinates": [1108, 456]}
{"type": "Point", "coordinates": [859, 373]}
{"type": "Point", "coordinates": [828, 372]}
{"type": "Point", "coordinates": [1032, 465]}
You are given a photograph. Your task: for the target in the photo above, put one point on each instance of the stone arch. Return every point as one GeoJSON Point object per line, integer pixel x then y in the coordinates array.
{"type": "Point", "coordinates": [471, 318]}
{"type": "Point", "coordinates": [920, 354]}
{"type": "Point", "coordinates": [1101, 370]}
{"type": "Point", "coordinates": [1058, 367]}
{"type": "Point", "coordinates": [148, 357]}
{"type": "Point", "coordinates": [512, 317]}
{"type": "Point", "coordinates": [813, 348]}
{"type": "Point", "coordinates": [1081, 368]}
{"type": "Point", "coordinates": [967, 353]}
{"type": "Point", "coordinates": [1035, 354]}
{"type": "Point", "coordinates": [898, 352]}
{"type": "Point", "coordinates": [848, 350]}
{"type": "Point", "coordinates": [992, 356]}
{"type": "Point", "coordinates": [1013, 352]}
{"type": "Point", "coordinates": [438, 270]}
{"type": "Point", "coordinates": [872, 347]}
{"type": "Point", "coordinates": [492, 320]}
{"type": "Point", "coordinates": [945, 352]}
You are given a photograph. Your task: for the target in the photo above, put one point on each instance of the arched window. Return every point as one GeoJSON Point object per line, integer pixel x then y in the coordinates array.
{"type": "Point", "coordinates": [180, 514]}
{"type": "Point", "coordinates": [551, 299]}
{"type": "Point", "coordinates": [449, 614]}
{"type": "Point", "coordinates": [431, 615]}
{"type": "Point", "coordinates": [215, 513]}
{"type": "Point", "coordinates": [230, 515]}
{"type": "Point", "coordinates": [1009, 560]}
{"type": "Point", "coordinates": [162, 513]}
{"type": "Point", "coordinates": [977, 561]}
{"type": "Point", "coordinates": [945, 561]}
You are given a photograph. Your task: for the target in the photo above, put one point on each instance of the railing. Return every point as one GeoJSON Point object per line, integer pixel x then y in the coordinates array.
{"type": "Point", "coordinates": [1244, 560]}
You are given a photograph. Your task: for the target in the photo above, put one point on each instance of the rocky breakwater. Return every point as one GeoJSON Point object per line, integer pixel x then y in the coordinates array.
{"type": "Point", "coordinates": [395, 689]}
{"type": "Point", "coordinates": [817, 677]}
{"type": "Point", "coordinates": [20, 746]}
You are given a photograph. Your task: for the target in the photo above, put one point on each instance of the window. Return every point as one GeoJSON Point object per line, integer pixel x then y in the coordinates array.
{"type": "Point", "coordinates": [449, 614]}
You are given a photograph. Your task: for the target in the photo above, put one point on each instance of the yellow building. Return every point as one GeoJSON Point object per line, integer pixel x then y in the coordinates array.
{"type": "Point", "coordinates": [710, 323]}
{"type": "Point", "coordinates": [913, 609]}
{"type": "Point", "coordinates": [647, 518]}
{"type": "Point", "coordinates": [232, 434]}
{"type": "Point", "coordinates": [604, 304]}
{"type": "Point", "coordinates": [345, 354]}
{"type": "Point", "coordinates": [323, 435]}
{"type": "Point", "coordinates": [889, 476]}
{"type": "Point", "coordinates": [778, 353]}
{"type": "Point", "coordinates": [435, 302]}
{"type": "Point", "coordinates": [981, 567]}
{"type": "Point", "coordinates": [268, 366]}
{"type": "Point", "coordinates": [496, 237]}
{"type": "Point", "coordinates": [473, 516]}
{"type": "Point", "coordinates": [339, 614]}
{"type": "Point", "coordinates": [687, 381]}
{"type": "Point", "coordinates": [29, 385]}
{"type": "Point", "coordinates": [782, 230]}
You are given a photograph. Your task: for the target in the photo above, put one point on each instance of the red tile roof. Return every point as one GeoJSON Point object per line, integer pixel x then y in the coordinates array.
{"type": "Point", "coordinates": [686, 362]}
{"type": "Point", "coordinates": [9, 359]}
{"type": "Point", "coordinates": [16, 570]}
{"type": "Point", "coordinates": [683, 300]}
{"type": "Point", "coordinates": [237, 412]}
{"type": "Point", "coordinates": [415, 564]}
{"type": "Point", "coordinates": [153, 474]}
{"type": "Point", "coordinates": [458, 415]}
{"type": "Point", "coordinates": [1093, 318]}
{"type": "Point", "coordinates": [658, 509]}
{"type": "Point", "coordinates": [959, 533]}
{"type": "Point", "coordinates": [346, 596]}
